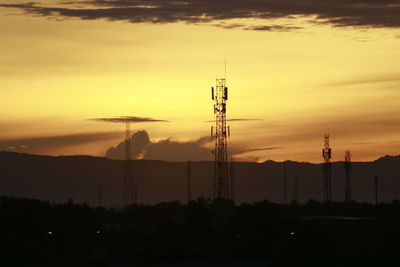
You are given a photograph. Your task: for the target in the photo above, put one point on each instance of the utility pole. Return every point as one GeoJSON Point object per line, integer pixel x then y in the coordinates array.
{"type": "Point", "coordinates": [376, 190]}
{"type": "Point", "coordinates": [347, 167]}
{"type": "Point", "coordinates": [189, 182]}
{"type": "Point", "coordinates": [71, 189]}
{"type": "Point", "coordinates": [128, 176]}
{"type": "Point", "coordinates": [100, 195]}
{"type": "Point", "coordinates": [233, 180]}
{"type": "Point", "coordinates": [284, 178]}
{"type": "Point", "coordinates": [327, 170]}
{"type": "Point", "coordinates": [296, 189]}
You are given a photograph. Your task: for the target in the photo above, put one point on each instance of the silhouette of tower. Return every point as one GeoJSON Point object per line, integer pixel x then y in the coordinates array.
{"type": "Point", "coordinates": [296, 189]}
{"type": "Point", "coordinates": [376, 190]}
{"type": "Point", "coordinates": [221, 181]}
{"type": "Point", "coordinates": [327, 170]}
{"type": "Point", "coordinates": [128, 176]}
{"type": "Point", "coordinates": [347, 167]}
{"type": "Point", "coordinates": [284, 182]}
{"type": "Point", "coordinates": [189, 182]}
{"type": "Point", "coordinates": [233, 178]}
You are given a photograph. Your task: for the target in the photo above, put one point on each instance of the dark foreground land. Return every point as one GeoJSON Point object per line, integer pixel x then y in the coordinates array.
{"type": "Point", "coordinates": [37, 233]}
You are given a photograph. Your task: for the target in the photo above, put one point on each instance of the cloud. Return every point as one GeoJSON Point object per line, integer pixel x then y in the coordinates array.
{"type": "Point", "coordinates": [167, 149]}
{"type": "Point", "coordinates": [233, 120]}
{"type": "Point", "coordinates": [170, 150]}
{"type": "Point", "coordinates": [48, 144]}
{"type": "Point", "coordinates": [275, 28]}
{"type": "Point", "coordinates": [179, 151]}
{"type": "Point", "coordinates": [338, 13]}
{"type": "Point", "coordinates": [243, 151]}
{"type": "Point", "coordinates": [139, 141]}
{"type": "Point", "coordinates": [374, 80]}
{"type": "Point", "coordinates": [127, 119]}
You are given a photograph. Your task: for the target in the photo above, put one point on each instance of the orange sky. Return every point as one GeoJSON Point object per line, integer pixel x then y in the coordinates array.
{"type": "Point", "coordinates": [58, 70]}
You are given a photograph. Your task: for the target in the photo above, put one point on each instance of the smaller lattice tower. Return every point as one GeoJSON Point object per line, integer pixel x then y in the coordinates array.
{"type": "Point", "coordinates": [327, 170]}
{"type": "Point", "coordinates": [347, 168]}
{"type": "Point", "coordinates": [128, 175]}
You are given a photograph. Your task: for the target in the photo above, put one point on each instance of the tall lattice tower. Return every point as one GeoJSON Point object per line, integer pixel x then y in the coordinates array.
{"type": "Point", "coordinates": [128, 175]}
{"type": "Point", "coordinates": [347, 168]}
{"type": "Point", "coordinates": [327, 170]}
{"type": "Point", "coordinates": [221, 179]}
{"type": "Point", "coordinates": [189, 181]}
{"type": "Point", "coordinates": [284, 184]}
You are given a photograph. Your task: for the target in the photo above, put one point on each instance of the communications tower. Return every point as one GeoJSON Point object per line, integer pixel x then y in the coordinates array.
{"type": "Point", "coordinates": [221, 180]}
{"type": "Point", "coordinates": [347, 167]}
{"type": "Point", "coordinates": [327, 170]}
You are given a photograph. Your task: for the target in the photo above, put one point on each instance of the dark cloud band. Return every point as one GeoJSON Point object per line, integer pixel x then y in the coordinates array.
{"type": "Point", "coordinates": [127, 119]}
{"type": "Point", "coordinates": [233, 120]}
{"type": "Point", "coordinates": [339, 13]}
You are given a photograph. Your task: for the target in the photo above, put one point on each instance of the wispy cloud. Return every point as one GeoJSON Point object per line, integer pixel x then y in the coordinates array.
{"type": "Point", "coordinates": [127, 119]}
{"type": "Point", "coordinates": [373, 80]}
{"type": "Point", "coordinates": [243, 151]}
{"type": "Point", "coordinates": [48, 144]}
{"type": "Point", "coordinates": [338, 13]}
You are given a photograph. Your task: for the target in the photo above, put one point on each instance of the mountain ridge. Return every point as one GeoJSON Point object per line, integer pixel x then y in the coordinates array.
{"type": "Point", "coordinates": [58, 178]}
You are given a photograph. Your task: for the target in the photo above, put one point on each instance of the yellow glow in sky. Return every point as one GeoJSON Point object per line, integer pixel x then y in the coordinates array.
{"type": "Point", "coordinates": [55, 75]}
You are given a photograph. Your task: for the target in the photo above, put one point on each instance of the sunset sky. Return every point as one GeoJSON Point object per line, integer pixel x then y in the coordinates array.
{"type": "Point", "coordinates": [295, 70]}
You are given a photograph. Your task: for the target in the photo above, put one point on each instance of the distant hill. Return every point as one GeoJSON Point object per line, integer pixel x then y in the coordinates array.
{"type": "Point", "coordinates": [51, 178]}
